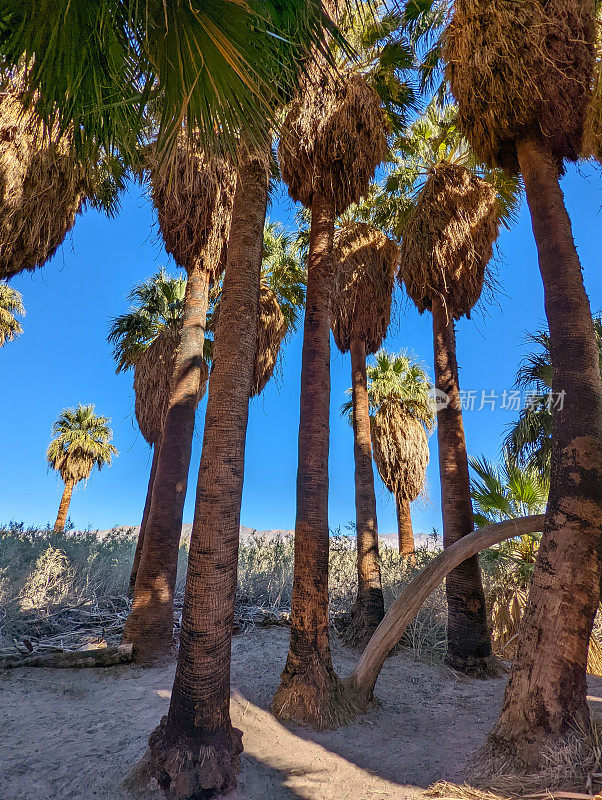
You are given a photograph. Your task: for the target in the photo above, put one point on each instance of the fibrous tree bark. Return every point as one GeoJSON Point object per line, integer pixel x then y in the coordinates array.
{"type": "Point", "coordinates": [195, 750]}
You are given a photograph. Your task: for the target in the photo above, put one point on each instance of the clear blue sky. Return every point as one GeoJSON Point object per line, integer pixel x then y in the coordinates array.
{"type": "Point", "coordinates": [63, 358]}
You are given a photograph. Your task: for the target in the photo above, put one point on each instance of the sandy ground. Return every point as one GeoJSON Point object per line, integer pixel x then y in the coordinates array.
{"type": "Point", "coordinates": [75, 734]}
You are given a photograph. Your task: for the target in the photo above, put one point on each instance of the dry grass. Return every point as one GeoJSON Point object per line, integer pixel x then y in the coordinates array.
{"type": "Point", "coordinates": [333, 138]}
{"type": "Point", "coordinates": [448, 240]}
{"type": "Point", "coordinates": [533, 60]}
{"type": "Point", "coordinates": [41, 188]}
{"type": "Point", "coordinates": [364, 261]}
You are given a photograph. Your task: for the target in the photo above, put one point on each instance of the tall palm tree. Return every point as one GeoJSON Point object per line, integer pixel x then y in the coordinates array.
{"type": "Point", "coordinates": [193, 200]}
{"type": "Point", "coordinates": [146, 340]}
{"type": "Point", "coordinates": [533, 124]}
{"type": "Point", "coordinates": [82, 441]}
{"type": "Point", "coordinates": [529, 439]}
{"type": "Point", "coordinates": [195, 750]}
{"type": "Point", "coordinates": [333, 139]}
{"type": "Point", "coordinates": [448, 210]}
{"type": "Point", "coordinates": [11, 305]}
{"type": "Point", "coordinates": [364, 262]}
{"type": "Point", "coordinates": [400, 395]}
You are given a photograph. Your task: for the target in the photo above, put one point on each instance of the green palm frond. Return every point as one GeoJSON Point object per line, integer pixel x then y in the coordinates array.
{"type": "Point", "coordinates": [506, 491]}
{"type": "Point", "coordinates": [399, 377]}
{"type": "Point", "coordinates": [221, 65]}
{"type": "Point", "coordinates": [282, 271]}
{"type": "Point", "coordinates": [433, 139]}
{"type": "Point", "coordinates": [82, 441]}
{"type": "Point", "coordinates": [11, 304]}
{"type": "Point", "coordinates": [157, 303]}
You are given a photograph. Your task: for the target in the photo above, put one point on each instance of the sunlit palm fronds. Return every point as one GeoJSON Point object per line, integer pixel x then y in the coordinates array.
{"type": "Point", "coordinates": [82, 441]}
{"type": "Point", "coordinates": [11, 305]}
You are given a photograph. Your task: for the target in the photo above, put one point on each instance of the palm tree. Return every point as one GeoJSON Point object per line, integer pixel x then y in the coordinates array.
{"type": "Point", "coordinates": [82, 441]}
{"type": "Point", "coordinates": [333, 139]}
{"type": "Point", "coordinates": [400, 395]}
{"type": "Point", "coordinates": [364, 262]}
{"type": "Point", "coordinates": [533, 124]}
{"type": "Point", "coordinates": [146, 340]}
{"type": "Point", "coordinates": [195, 750]}
{"type": "Point", "coordinates": [448, 211]}
{"type": "Point", "coordinates": [529, 440]}
{"type": "Point", "coordinates": [94, 70]}
{"type": "Point", "coordinates": [11, 304]}
{"type": "Point", "coordinates": [193, 200]}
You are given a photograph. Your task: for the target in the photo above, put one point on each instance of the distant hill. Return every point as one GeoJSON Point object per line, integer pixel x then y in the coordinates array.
{"type": "Point", "coordinates": [247, 534]}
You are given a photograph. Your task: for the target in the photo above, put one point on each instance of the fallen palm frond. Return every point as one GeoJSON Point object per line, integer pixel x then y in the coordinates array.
{"type": "Point", "coordinates": [534, 61]}
{"type": "Point", "coordinates": [333, 138]}
{"type": "Point", "coordinates": [364, 262]}
{"type": "Point", "coordinates": [448, 239]}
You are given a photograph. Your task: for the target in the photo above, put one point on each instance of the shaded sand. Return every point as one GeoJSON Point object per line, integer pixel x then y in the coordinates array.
{"type": "Point", "coordinates": [75, 734]}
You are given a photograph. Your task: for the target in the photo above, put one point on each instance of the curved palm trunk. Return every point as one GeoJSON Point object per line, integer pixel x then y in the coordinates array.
{"type": "Point", "coordinates": [405, 531]}
{"type": "Point", "coordinates": [309, 691]}
{"type": "Point", "coordinates": [61, 517]}
{"type": "Point", "coordinates": [369, 607]}
{"type": "Point", "coordinates": [546, 695]}
{"type": "Point", "coordinates": [195, 750]}
{"type": "Point", "coordinates": [149, 626]}
{"type": "Point", "coordinates": [468, 639]}
{"type": "Point", "coordinates": [145, 513]}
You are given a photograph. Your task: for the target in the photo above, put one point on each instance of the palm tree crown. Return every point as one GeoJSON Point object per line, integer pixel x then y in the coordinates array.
{"type": "Point", "coordinates": [282, 271]}
{"type": "Point", "coordinates": [158, 305]}
{"type": "Point", "coordinates": [529, 439]}
{"type": "Point", "coordinates": [82, 441]}
{"type": "Point", "coordinates": [11, 303]}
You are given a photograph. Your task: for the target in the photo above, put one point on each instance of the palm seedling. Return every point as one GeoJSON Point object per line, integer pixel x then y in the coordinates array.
{"type": "Point", "coordinates": [82, 441]}
{"type": "Point", "coordinates": [11, 306]}
{"type": "Point", "coordinates": [523, 75]}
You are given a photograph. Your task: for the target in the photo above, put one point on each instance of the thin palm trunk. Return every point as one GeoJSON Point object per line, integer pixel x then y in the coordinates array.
{"type": "Point", "coordinates": [150, 623]}
{"type": "Point", "coordinates": [405, 531]}
{"type": "Point", "coordinates": [468, 639]}
{"type": "Point", "coordinates": [546, 696]}
{"type": "Point", "coordinates": [195, 750]}
{"type": "Point", "coordinates": [145, 513]}
{"type": "Point", "coordinates": [369, 607]}
{"type": "Point", "coordinates": [309, 690]}
{"type": "Point", "coordinates": [61, 517]}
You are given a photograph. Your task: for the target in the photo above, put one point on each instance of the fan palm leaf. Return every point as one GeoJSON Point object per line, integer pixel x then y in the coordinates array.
{"type": "Point", "coordinates": [11, 305]}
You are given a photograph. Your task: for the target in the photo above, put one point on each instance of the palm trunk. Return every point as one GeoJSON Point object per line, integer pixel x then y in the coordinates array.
{"type": "Point", "coordinates": [369, 607]}
{"type": "Point", "coordinates": [149, 626]}
{"type": "Point", "coordinates": [309, 691]}
{"type": "Point", "coordinates": [546, 695]}
{"type": "Point", "coordinates": [404, 528]}
{"type": "Point", "coordinates": [468, 639]}
{"type": "Point", "coordinates": [195, 750]}
{"type": "Point", "coordinates": [61, 517]}
{"type": "Point", "coordinates": [145, 513]}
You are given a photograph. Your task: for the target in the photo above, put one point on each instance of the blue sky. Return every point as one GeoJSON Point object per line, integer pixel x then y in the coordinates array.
{"type": "Point", "coordinates": [63, 358]}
